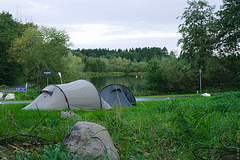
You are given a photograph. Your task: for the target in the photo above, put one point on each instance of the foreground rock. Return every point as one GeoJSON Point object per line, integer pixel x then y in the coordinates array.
{"type": "Point", "coordinates": [90, 140]}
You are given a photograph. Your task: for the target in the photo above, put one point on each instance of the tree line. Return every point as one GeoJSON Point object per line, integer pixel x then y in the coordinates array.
{"type": "Point", "coordinates": [127, 61]}
{"type": "Point", "coordinates": [133, 54]}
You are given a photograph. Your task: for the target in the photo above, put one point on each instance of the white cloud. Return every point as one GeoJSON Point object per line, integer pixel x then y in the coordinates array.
{"type": "Point", "coordinates": [90, 34]}
{"type": "Point", "coordinates": [106, 23]}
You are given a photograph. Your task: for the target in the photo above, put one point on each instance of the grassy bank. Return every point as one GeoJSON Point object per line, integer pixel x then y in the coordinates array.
{"type": "Point", "coordinates": [102, 74]}
{"type": "Point", "coordinates": [182, 128]}
{"type": "Point", "coordinates": [181, 95]}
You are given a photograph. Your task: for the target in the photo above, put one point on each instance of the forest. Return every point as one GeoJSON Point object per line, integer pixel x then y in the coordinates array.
{"type": "Point", "coordinates": [209, 43]}
{"type": "Point", "coordinates": [127, 61]}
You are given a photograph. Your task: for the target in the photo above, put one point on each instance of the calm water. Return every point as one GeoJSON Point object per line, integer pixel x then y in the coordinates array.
{"type": "Point", "coordinates": [135, 84]}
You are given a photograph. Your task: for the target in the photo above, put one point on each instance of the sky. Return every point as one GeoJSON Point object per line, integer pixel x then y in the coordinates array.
{"type": "Point", "coordinates": [109, 24]}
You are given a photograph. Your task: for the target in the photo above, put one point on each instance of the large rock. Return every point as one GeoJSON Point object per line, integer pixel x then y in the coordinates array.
{"type": "Point", "coordinates": [206, 95]}
{"type": "Point", "coordinates": [10, 96]}
{"type": "Point", "coordinates": [1, 95]}
{"type": "Point", "coordinates": [90, 140]}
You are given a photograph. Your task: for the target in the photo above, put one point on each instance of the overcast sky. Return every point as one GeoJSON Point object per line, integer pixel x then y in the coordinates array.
{"type": "Point", "coordinates": [109, 24]}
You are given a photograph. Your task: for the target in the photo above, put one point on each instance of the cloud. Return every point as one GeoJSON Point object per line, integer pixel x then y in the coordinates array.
{"type": "Point", "coordinates": [90, 34]}
{"type": "Point", "coordinates": [106, 23]}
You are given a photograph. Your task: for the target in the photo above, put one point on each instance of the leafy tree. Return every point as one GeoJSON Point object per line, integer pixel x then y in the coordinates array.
{"type": "Point", "coordinates": [155, 77]}
{"type": "Point", "coordinates": [95, 65]}
{"type": "Point", "coordinates": [91, 65]}
{"type": "Point", "coordinates": [10, 29]}
{"type": "Point", "coordinates": [214, 77]}
{"type": "Point", "coordinates": [9, 72]}
{"type": "Point", "coordinates": [39, 50]}
{"type": "Point", "coordinates": [198, 33]}
{"type": "Point", "coordinates": [139, 66]}
{"type": "Point", "coordinates": [201, 31]}
{"type": "Point", "coordinates": [179, 76]}
{"type": "Point", "coordinates": [229, 30]}
{"type": "Point", "coordinates": [74, 67]}
{"type": "Point", "coordinates": [101, 66]}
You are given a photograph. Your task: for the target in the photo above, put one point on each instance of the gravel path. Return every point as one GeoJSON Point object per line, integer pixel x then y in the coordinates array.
{"type": "Point", "coordinates": [14, 102]}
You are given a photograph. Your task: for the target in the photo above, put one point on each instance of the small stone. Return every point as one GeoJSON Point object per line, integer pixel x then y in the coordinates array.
{"type": "Point", "coordinates": [69, 114]}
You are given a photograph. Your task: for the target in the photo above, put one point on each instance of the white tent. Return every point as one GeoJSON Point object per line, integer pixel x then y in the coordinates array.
{"type": "Point", "coordinates": [80, 94]}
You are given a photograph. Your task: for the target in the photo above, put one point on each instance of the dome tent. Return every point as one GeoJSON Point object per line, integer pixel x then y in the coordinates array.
{"type": "Point", "coordinates": [79, 94]}
{"type": "Point", "coordinates": [117, 94]}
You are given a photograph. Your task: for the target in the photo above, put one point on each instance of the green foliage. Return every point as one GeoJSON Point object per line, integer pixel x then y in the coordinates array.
{"type": "Point", "coordinates": [138, 54]}
{"type": "Point", "coordinates": [127, 61]}
{"type": "Point", "coordinates": [74, 67]}
{"type": "Point", "coordinates": [156, 80]}
{"type": "Point", "coordinates": [94, 65]}
{"type": "Point", "coordinates": [181, 128]}
{"type": "Point", "coordinates": [40, 50]}
{"type": "Point", "coordinates": [229, 30]}
{"type": "Point", "coordinates": [31, 94]}
{"type": "Point", "coordinates": [9, 72]}
{"type": "Point", "coordinates": [52, 152]}
{"type": "Point", "coordinates": [220, 73]}
{"type": "Point", "coordinates": [115, 64]}
{"type": "Point", "coordinates": [10, 29]}
{"type": "Point", "coordinates": [210, 42]}
{"type": "Point", "coordinates": [171, 75]}
{"type": "Point", "coordinates": [180, 77]}
{"type": "Point", "coordinates": [198, 33]}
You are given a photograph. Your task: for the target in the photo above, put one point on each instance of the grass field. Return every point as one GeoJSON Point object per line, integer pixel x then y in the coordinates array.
{"type": "Point", "coordinates": [181, 128]}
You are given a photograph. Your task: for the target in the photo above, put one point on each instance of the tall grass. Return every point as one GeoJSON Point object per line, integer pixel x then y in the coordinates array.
{"type": "Point", "coordinates": [181, 128]}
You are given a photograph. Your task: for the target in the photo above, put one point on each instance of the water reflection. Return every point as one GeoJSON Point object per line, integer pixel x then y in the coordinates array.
{"type": "Point", "coordinates": [135, 84]}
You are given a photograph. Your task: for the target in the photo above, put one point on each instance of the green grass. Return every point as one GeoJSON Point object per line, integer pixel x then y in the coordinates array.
{"type": "Point", "coordinates": [169, 95]}
{"type": "Point", "coordinates": [180, 95]}
{"type": "Point", "coordinates": [181, 128]}
{"type": "Point", "coordinates": [30, 95]}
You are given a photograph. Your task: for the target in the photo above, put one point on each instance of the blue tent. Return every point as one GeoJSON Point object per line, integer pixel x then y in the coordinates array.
{"type": "Point", "coordinates": [117, 94]}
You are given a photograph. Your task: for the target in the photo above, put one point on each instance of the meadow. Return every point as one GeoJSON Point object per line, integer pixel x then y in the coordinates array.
{"type": "Point", "coordinates": [181, 128]}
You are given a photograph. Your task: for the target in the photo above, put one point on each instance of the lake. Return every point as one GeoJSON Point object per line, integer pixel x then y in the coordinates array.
{"type": "Point", "coordinates": [135, 84]}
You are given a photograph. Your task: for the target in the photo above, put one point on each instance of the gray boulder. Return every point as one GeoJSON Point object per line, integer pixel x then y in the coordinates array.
{"type": "Point", "coordinates": [206, 95]}
{"type": "Point", "coordinates": [90, 140]}
{"type": "Point", "coordinates": [69, 114]}
{"type": "Point", "coordinates": [10, 96]}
